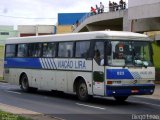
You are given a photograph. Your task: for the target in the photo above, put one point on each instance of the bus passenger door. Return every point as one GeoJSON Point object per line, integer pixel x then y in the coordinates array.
{"type": "Point", "coordinates": [98, 79]}
{"type": "Point", "coordinates": [98, 68]}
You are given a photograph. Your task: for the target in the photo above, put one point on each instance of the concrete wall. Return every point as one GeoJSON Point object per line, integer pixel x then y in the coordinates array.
{"type": "Point", "coordinates": [139, 9]}
{"type": "Point", "coordinates": [134, 3]}
{"type": "Point", "coordinates": [26, 28]}
{"type": "Point", "coordinates": [60, 29]}
{"type": "Point", "coordinates": [144, 25]}
{"type": "Point", "coordinates": [46, 29]}
{"type": "Point", "coordinates": [36, 29]}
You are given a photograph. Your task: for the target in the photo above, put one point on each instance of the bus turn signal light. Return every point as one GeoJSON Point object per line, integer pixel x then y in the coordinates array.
{"type": "Point", "coordinates": [109, 82]}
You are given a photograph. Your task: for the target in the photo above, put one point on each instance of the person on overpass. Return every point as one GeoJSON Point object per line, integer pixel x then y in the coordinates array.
{"type": "Point", "coordinates": [101, 7]}
{"type": "Point", "coordinates": [93, 11]}
{"type": "Point", "coordinates": [97, 9]}
{"type": "Point", "coordinates": [121, 4]}
{"type": "Point", "coordinates": [110, 6]}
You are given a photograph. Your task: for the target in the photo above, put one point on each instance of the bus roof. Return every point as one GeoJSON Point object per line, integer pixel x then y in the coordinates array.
{"type": "Point", "coordinates": [115, 35]}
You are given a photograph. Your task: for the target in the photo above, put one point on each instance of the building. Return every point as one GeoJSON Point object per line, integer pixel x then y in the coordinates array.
{"type": "Point", "coordinates": [35, 30]}
{"type": "Point", "coordinates": [67, 20]}
{"type": "Point", "coordinates": [140, 9]}
{"type": "Point", "coordinates": [7, 32]}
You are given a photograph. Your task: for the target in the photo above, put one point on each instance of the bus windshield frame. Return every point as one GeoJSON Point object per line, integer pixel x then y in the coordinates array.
{"type": "Point", "coordinates": [130, 53]}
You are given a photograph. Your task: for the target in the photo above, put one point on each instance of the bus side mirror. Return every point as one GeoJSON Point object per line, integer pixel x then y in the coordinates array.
{"type": "Point", "coordinates": [109, 49]}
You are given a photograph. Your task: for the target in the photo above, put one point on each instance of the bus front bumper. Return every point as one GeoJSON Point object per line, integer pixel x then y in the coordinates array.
{"type": "Point", "coordinates": [127, 90]}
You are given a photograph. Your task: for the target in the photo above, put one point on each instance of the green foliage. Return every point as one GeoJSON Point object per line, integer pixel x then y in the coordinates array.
{"type": "Point", "coordinates": [9, 116]}
{"type": "Point", "coordinates": [156, 57]}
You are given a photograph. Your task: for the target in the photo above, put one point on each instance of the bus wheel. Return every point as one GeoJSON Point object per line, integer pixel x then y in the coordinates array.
{"type": "Point", "coordinates": [82, 91]}
{"type": "Point", "coordinates": [24, 83]}
{"type": "Point", "coordinates": [121, 98]}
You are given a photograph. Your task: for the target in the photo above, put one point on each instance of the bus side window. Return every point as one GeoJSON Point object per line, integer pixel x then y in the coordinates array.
{"type": "Point", "coordinates": [30, 49]}
{"type": "Point", "coordinates": [65, 49]}
{"type": "Point", "coordinates": [82, 49]}
{"type": "Point", "coordinates": [10, 51]}
{"type": "Point", "coordinates": [38, 48]}
{"type": "Point", "coordinates": [22, 50]}
{"type": "Point", "coordinates": [35, 49]}
{"type": "Point", "coordinates": [49, 49]}
{"type": "Point", "coordinates": [45, 46]}
{"type": "Point", "coordinates": [99, 52]}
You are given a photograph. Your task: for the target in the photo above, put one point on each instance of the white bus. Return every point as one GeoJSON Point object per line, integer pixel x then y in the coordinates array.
{"type": "Point", "coordinates": [101, 63]}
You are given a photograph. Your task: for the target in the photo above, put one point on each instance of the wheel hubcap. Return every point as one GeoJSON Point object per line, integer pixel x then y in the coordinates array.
{"type": "Point", "coordinates": [24, 83]}
{"type": "Point", "coordinates": [82, 90]}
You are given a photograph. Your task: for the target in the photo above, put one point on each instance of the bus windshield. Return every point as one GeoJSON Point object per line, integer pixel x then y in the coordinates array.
{"type": "Point", "coordinates": [130, 53]}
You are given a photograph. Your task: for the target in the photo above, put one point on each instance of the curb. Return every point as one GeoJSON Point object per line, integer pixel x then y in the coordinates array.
{"type": "Point", "coordinates": [28, 114]}
{"type": "Point", "coordinates": [157, 82]}
{"type": "Point", "coordinates": [2, 81]}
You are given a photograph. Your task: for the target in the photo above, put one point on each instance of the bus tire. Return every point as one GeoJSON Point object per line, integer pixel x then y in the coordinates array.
{"type": "Point", "coordinates": [24, 84]}
{"type": "Point", "coordinates": [82, 91]}
{"type": "Point", "coordinates": [120, 98]}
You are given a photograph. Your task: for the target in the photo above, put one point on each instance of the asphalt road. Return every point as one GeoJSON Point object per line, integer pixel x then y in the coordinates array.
{"type": "Point", "coordinates": [68, 107]}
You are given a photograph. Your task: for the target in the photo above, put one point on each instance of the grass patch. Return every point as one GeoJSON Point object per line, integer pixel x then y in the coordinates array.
{"type": "Point", "coordinates": [9, 116]}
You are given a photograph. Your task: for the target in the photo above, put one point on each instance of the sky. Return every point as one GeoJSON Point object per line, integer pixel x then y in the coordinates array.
{"type": "Point", "coordinates": [42, 12]}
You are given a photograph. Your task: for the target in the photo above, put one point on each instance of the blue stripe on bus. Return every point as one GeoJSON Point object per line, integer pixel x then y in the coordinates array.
{"type": "Point", "coordinates": [118, 74]}
{"type": "Point", "coordinates": [22, 63]}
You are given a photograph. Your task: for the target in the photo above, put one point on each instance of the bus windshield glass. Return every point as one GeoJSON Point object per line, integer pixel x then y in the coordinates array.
{"type": "Point", "coordinates": [130, 53]}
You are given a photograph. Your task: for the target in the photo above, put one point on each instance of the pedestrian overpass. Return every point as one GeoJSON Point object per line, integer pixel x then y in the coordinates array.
{"type": "Point", "coordinates": [136, 19]}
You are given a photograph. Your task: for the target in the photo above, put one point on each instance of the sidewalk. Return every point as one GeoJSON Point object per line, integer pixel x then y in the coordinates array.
{"type": "Point", "coordinates": [25, 113]}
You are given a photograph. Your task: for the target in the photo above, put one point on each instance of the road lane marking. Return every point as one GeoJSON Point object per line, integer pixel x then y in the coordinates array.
{"type": "Point", "coordinates": [90, 106]}
{"type": "Point", "coordinates": [144, 103]}
{"type": "Point", "coordinates": [13, 92]}
{"type": "Point", "coordinates": [45, 97]}
{"type": "Point", "coordinates": [58, 118]}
